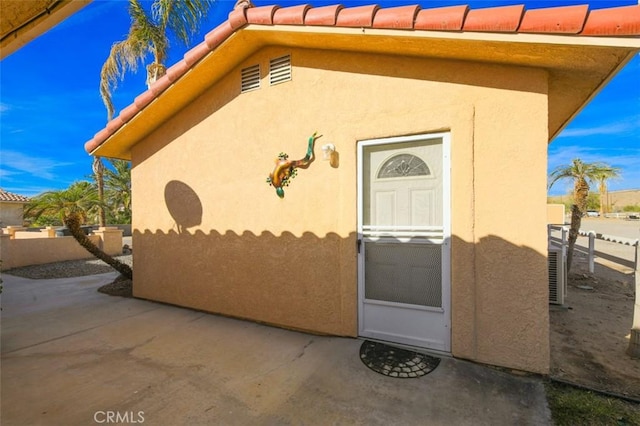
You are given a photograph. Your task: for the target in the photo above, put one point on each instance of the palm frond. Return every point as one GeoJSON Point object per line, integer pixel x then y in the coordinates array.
{"type": "Point", "coordinates": [181, 17]}
{"type": "Point", "coordinates": [148, 33]}
{"type": "Point", "coordinates": [124, 56]}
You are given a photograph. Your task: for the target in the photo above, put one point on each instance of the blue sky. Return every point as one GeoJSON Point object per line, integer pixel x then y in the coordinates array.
{"type": "Point", "coordinates": [50, 103]}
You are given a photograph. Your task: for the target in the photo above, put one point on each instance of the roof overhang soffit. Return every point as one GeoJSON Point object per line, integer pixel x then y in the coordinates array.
{"type": "Point", "coordinates": [577, 66]}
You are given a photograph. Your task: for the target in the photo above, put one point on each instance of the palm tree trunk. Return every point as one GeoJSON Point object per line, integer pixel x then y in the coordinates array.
{"type": "Point", "coordinates": [574, 228]}
{"type": "Point", "coordinates": [98, 171]}
{"type": "Point", "coordinates": [581, 194]}
{"type": "Point", "coordinates": [603, 197]}
{"type": "Point", "coordinates": [72, 222]}
{"type": "Point", "coordinates": [154, 72]}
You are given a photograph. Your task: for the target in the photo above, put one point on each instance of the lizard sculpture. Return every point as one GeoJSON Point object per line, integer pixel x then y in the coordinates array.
{"type": "Point", "coordinates": [286, 169]}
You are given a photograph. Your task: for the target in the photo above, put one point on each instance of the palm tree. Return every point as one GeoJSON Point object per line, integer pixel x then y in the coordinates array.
{"type": "Point", "coordinates": [602, 177]}
{"type": "Point", "coordinates": [581, 173]}
{"type": "Point", "coordinates": [73, 205]}
{"type": "Point", "coordinates": [149, 34]}
{"type": "Point", "coordinates": [118, 190]}
{"type": "Point", "coordinates": [98, 174]}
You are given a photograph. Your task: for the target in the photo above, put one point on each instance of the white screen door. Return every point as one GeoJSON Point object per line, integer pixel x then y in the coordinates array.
{"type": "Point", "coordinates": [403, 240]}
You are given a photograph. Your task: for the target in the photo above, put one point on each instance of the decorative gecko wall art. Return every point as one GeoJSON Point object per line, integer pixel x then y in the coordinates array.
{"type": "Point", "coordinates": [286, 169]}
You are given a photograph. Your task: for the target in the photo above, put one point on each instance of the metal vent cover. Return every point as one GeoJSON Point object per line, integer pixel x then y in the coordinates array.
{"type": "Point", "coordinates": [557, 279]}
{"type": "Point", "coordinates": [250, 78]}
{"type": "Point", "coordinates": [280, 70]}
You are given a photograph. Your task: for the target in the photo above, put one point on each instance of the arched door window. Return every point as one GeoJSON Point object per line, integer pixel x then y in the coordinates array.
{"type": "Point", "coordinates": [403, 165]}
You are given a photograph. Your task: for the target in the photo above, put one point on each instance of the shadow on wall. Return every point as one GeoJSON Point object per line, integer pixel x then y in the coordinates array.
{"type": "Point", "coordinates": [309, 282]}
{"type": "Point", "coordinates": [499, 290]}
{"type": "Point", "coordinates": [305, 282]}
{"type": "Point", "coordinates": [183, 204]}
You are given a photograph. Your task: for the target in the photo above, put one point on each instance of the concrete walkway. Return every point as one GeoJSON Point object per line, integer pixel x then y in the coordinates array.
{"type": "Point", "coordinates": [73, 356]}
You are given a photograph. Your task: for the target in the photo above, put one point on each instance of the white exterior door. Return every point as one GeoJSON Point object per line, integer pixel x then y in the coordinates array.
{"type": "Point", "coordinates": [404, 240]}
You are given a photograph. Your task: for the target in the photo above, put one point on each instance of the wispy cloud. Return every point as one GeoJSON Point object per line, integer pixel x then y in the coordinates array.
{"type": "Point", "coordinates": [38, 167]}
{"type": "Point", "coordinates": [607, 129]}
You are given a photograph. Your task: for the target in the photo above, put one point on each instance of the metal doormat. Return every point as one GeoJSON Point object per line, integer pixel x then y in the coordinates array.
{"type": "Point", "coordinates": [395, 362]}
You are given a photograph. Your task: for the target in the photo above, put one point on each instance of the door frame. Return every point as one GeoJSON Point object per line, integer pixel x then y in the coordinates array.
{"type": "Point", "coordinates": [446, 220]}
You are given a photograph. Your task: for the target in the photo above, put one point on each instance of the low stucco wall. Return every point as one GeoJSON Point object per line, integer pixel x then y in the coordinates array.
{"type": "Point", "coordinates": [211, 234]}
{"type": "Point", "coordinates": [17, 252]}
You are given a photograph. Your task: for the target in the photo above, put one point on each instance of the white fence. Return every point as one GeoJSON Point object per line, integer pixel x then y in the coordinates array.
{"type": "Point", "coordinates": [591, 252]}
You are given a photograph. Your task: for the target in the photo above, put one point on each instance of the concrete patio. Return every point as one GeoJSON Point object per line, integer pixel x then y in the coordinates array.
{"type": "Point", "coordinates": [73, 356]}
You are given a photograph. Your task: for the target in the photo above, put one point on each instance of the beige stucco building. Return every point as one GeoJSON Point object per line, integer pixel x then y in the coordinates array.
{"type": "Point", "coordinates": [426, 227]}
{"type": "Point", "coordinates": [11, 208]}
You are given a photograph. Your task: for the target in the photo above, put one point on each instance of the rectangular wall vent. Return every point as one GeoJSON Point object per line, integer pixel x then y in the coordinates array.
{"type": "Point", "coordinates": [280, 70]}
{"type": "Point", "coordinates": [557, 276]}
{"type": "Point", "coordinates": [250, 78]}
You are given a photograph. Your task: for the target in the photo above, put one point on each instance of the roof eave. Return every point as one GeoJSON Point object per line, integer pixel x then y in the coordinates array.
{"type": "Point", "coordinates": [554, 52]}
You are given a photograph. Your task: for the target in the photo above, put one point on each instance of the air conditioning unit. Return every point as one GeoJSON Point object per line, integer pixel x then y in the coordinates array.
{"type": "Point", "coordinates": [557, 275]}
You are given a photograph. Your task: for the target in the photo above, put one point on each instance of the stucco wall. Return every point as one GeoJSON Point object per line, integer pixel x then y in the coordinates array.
{"type": "Point", "coordinates": [36, 251]}
{"type": "Point", "coordinates": [555, 214]}
{"type": "Point", "coordinates": [211, 234]}
{"type": "Point", "coordinates": [11, 214]}
{"type": "Point", "coordinates": [36, 248]}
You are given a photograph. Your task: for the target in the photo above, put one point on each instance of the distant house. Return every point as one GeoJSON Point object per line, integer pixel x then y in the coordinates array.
{"type": "Point", "coordinates": [11, 208]}
{"type": "Point", "coordinates": [427, 226]}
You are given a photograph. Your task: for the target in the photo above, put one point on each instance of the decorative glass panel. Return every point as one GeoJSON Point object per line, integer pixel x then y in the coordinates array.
{"type": "Point", "coordinates": [403, 165]}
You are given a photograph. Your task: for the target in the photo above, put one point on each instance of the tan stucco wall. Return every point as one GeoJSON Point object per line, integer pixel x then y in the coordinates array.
{"type": "Point", "coordinates": [555, 214]}
{"type": "Point", "coordinates": [36, 251]}
{"type": "Point", "coordinates": [36, 248]}
{"type": "Point", "coordinates": [211, 234]}
{"type": "Point", "coordinates": [11, 214]}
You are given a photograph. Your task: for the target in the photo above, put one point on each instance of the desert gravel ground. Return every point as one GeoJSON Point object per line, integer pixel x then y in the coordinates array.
{"type": "Point", "coordinates": [67, 269]}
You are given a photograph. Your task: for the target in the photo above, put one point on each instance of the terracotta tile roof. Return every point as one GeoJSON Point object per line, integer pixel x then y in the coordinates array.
{"type": "Point", "coordinates": [570, 20]}
{"type": "Point", "coordinates": [11, 197]}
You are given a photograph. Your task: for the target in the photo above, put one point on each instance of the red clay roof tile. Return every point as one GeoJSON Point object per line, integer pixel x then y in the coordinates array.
{"type": "Point", "coordinates": [261, 15]}
{"type": "Point", "coordinates": [441, 18]}
{"type": "Point", "coordinates": [402, 17]}
{"type": "Point", "coordinates": [361, 16]}
{"type": "Point", "coordinates": [567, 20]}
{"type": "Point", "coordinates": [326, 15]}
{"type": "Point", "coordinates": [291, 15]}
{"type": "Point", "coordinates": [128, 113]}
{"type": "Point", "coordinates": [238, 17]}
{"type": "Point", "coordinates": [160, 85]}
{"type": "Point", "coordinates": [177, 70]}
{"type": "Point", "coordinates": [197, 53]}
{"type": "Point", "coordinates": [620, 21]}
{"type": "Point", "coordinates": [494, 19]}
{"type": "Point", "coordinates": [104, 134]}
{"type": "Point", "coordinates": [115, 124]}
{"type": "Point", "coordinates": [144, 99]}
{"type": "Point", "coordinates": [215, 37]}
{"type": "Point", "coordinates": [617, 21]}
{"type": "Point", "coordinates": [11, 197]}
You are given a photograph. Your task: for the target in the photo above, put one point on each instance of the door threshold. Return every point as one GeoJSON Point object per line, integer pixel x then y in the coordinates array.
{"type": "Point", "coordinates": [417, 349]}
